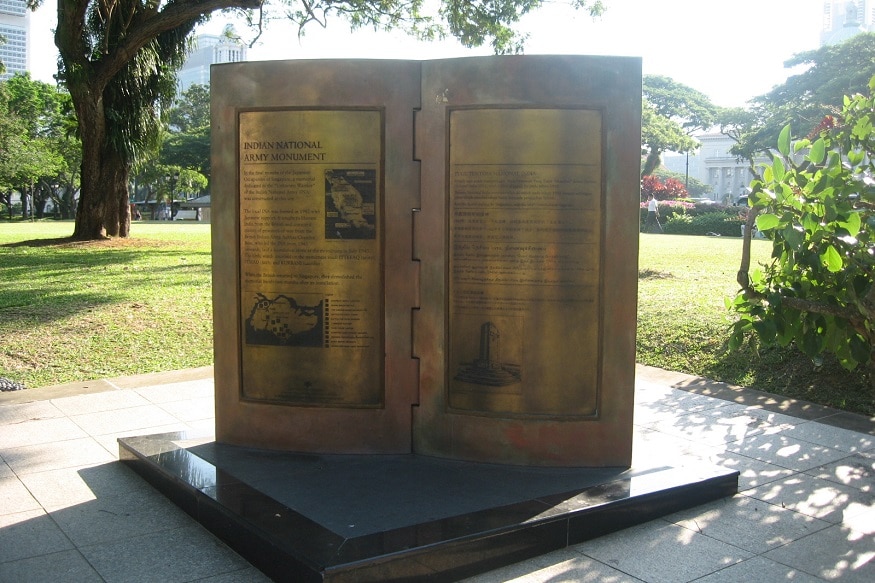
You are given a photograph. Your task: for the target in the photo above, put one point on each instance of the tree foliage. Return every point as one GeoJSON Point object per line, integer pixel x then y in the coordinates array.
{"type": "Point", "coordinates": [119, 58]}
{"type": "Point", "coordinates": [671, 112]}
{"type": "Point", "coordinates": [830, 73]}
{"type": "Point", "coordinates": [191, 110]}
{"type": "Point", "coordinates": [188, 142]}
{"type": "Point", "coordinates": [818, 291]}
{"type": "Point", "coordinates": [33, 142]}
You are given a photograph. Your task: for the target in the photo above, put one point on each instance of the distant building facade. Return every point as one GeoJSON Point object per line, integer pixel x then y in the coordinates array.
{"type": "Point", "coordinates": [843, 19]}
{"type": "Point", "coordinates": [15, 29]}
{"type": "Point", "coordinates": [208, 50]}
{"type": "Point", "coordinates": [713, 164]}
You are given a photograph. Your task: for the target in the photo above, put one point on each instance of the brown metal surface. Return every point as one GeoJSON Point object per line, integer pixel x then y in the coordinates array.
{"type": "Point", "coordinates": [478, 217]}
{"type": "Point", "coordinates": [292, 141]}
{"type": "Point", "coordinates": [310, 248]}
{"type": "Point", "coordinates": [570, 124]}
{"type": "Point", "coordinates": [525, 200]}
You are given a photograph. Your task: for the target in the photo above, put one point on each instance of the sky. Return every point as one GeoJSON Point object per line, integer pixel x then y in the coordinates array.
{"type": "Point", "coordinates": [730, 50]}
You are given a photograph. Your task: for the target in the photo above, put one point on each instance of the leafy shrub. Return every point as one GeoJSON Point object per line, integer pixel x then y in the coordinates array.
{"type": "Point", "coordinates": [714, 223]}
{"type": "Point", "coordinates": [667, 209]}
{"type": "Point", "coordinates": [662, 190]}
{"type": "Point", "coordinates": [816, 202]}
{"type": "Point", "coordinates": [694, 187]}
{"type": "Point", "coordinates": [702, 208]}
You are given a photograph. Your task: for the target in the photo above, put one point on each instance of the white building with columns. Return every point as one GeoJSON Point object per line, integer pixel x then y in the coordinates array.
{"type": "Point", "coordinates": [713, 164]}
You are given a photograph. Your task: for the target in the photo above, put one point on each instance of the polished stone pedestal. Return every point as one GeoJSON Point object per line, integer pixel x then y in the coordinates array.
{"type": "Point", "coordinates": [402, 517]}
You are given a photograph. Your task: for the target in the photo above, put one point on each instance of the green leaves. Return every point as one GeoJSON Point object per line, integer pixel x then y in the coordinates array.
{"type": "Point", "coordinates": [852, 225]}
{"type": "Point", "coordinates": [818, 151]}
{"type": "Point", "coordinates": [768, 221]}
{"type": "Point", "coordinates": [831, 258]}
{"type": "Point", "coordinates": [784, 141]}
{"type": "Point", "coordinates": [814, 202]}
{"type": "Point", "coordinates": [778, 170]}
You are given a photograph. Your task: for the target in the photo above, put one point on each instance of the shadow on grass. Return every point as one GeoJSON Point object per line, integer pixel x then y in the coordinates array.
{"type": "Point", "coordinates": [788, 373]}
{"type": "Point", "coordinates": [109, 243]}
{"type": "Point", "coordinates": [56, 242]}
{"type": "Point", "coordinates": [63, 277]}
{"type": "Point", "coordinates": [784, 372]}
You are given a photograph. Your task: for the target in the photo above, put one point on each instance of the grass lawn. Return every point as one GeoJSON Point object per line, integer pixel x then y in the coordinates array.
{"type": "Point", "coordinates": [683, 324]}
{"type": "Point", "coordinates": [80, 311]}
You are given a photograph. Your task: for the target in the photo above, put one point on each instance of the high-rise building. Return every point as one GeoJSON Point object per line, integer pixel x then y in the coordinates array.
{"type": "Point", "coordinates": [208, 50]}
{"type": "Point", "coordinates": [843, 19]}
{"type": "Point", "coordinates": [14, 28]}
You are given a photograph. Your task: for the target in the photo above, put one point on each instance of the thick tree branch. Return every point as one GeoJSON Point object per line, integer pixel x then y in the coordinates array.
{"type": "Point", "coordinates": [147, 26]}
{"type": "Point", "coordinates": [144, 27]}
{"type": "Point", "coordinates": [70, 32]}
{"type": "Point", "coordinates": [743, 276]}
{"type": "Point", "coordinates": [852, 316]}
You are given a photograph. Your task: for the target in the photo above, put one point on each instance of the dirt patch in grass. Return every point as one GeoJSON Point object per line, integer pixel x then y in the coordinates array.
{"type": "Point", "coordinates": [654, 274]}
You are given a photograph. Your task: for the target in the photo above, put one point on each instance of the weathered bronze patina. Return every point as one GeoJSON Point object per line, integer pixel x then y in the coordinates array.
{"type": "Point", "coordinates": [310, 249]}
{"type": "Point", "coordinates": [525, 224]}
{"type": "Point", "coordinates": [435, 257]}
{"type": "Point", "coordinates": [527, 238]}
{"type": "Point", "coordinates": [313, 190]}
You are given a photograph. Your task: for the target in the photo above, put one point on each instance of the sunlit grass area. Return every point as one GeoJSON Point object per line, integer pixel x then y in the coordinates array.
{"type": "Point", "coordinates": [683, 324]}
{"type": "Point", "coordinates": [683, 282]}
{"type": "Point", "coordinates": [80, 311]}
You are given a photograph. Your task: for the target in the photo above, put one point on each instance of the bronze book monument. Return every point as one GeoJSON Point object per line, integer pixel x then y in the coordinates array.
{"type": "Point", "coordinates": [444, 249]}
{"type": "Point", "coordinates": [424, 288]}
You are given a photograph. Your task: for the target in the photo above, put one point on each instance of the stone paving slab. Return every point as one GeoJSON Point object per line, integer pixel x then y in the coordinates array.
{"type": "Point", "coordinates": [857, 470]}
{"type": "Point", "coordinates": [661, 552]}
{"type": "Point", "coordinates": [815, 497]}
{"type": "Point", "coordinates": [748, 523]}
{"type": "Point", "coordinates": [68, 566]}
{"type": "Point", "coordinates": [42, 457]}
{"type": "Point", "coordinates": [57, 481]}
{"type": "Point", "coordinates": [834, 554]}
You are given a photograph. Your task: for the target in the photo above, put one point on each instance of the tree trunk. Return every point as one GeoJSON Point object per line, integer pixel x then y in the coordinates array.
{"type": "Point", "coordinates": [103, 209]}
{"type": "Point", "coordinates": [98, 216]}
{"type": "Point", "coordinates": [651, 163]}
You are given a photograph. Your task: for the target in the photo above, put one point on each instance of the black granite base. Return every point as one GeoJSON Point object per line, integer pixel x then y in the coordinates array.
{"type": "Point", "coordinates": [406, 517]}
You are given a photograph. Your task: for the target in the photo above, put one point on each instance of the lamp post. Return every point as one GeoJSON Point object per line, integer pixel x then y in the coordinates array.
{"type": "Point", "coordinates": [687, 176]}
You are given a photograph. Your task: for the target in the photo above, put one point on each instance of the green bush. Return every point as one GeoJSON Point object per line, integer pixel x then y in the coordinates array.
{"type": "Point", "coordinates": [704, 208]}
{"type": "Point", "coordinates": [670, 210]}
{"type": "Point", "coordinates": [816, 203]}
{"type": "Point", "coordinates": [713, 223]}
{"type": "Point", "coordinates": [667, 210]}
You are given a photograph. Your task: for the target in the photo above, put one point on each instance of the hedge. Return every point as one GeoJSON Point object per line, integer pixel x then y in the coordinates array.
{"type": "Point", "coordinates": [713, 223]}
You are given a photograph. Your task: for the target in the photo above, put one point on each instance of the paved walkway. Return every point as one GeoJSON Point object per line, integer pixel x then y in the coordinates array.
{"type": "Point", "coordinates": [805, 509]}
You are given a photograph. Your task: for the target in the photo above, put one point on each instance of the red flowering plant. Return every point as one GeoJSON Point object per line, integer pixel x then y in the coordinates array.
{"type": "Point", "coordinates": [669, 189]}
{"type": "Point", "coordinates": [665, 192]}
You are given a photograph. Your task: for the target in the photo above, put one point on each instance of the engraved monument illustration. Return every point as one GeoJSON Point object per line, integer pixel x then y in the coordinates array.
{"type": "Point", "coordinates": [488, 368]}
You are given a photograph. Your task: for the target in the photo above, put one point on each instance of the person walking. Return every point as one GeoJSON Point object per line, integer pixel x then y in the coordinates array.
{"type": "Point", "coordinates": [651, 225]}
